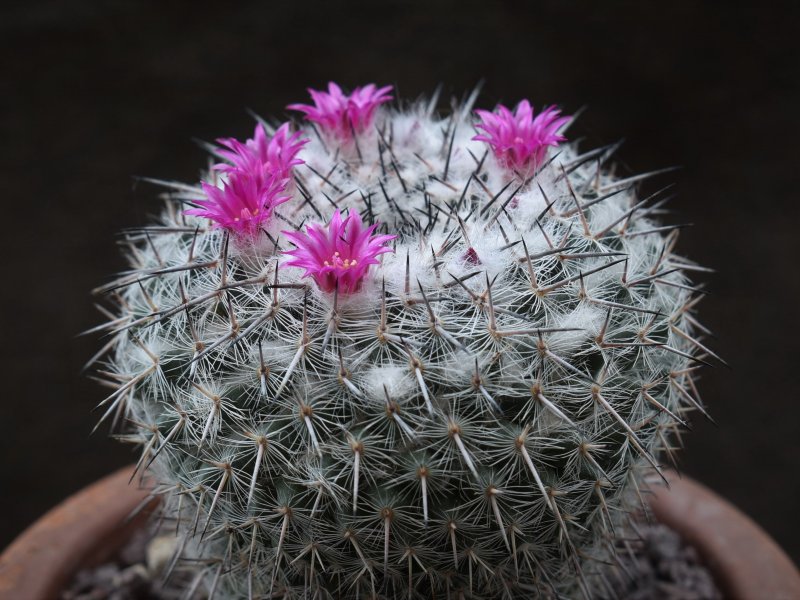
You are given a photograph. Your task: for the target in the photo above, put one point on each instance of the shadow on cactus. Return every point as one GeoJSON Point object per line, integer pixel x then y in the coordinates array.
{"type": "Point", "coordinates": [382, 352]}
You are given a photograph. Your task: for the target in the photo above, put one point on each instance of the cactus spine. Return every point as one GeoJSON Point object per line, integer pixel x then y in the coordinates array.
{"type": "Point", "coordinates": [473, 415]}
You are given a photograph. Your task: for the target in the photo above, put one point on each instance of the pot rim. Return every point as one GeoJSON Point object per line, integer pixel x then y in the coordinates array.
{"type": "Point", "coordinates": [45, 557]}
{"type": "Point", "coordinates": [745, 561]}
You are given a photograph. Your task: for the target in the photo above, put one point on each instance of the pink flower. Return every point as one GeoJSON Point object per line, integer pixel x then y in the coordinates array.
{"type": "Point", "coordinates": [343, 115]}
{"type": "Point", "coordinates": [341, 252]}
{"type": "Point", "coordinates": [520, 141]}
{"type": "Point", "coordinates": [261, 156]}
{"type": "Point", "coordinates": [243, 203]}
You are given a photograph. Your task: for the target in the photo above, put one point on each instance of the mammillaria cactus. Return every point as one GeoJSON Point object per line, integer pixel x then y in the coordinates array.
{"type": "Point", "coordinates": [401, 354]}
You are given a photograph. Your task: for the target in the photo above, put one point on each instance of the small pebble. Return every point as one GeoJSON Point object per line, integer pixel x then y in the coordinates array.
{"type": "Point", "coordinates": [159, 552]}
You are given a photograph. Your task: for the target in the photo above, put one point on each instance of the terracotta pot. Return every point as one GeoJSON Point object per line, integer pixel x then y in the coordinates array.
{"type": "Point", "coordinates": [746, 563]}
{"type": "Point", "coordinates": [84, 530]}
{"type": "Point", "coordinates": [91, 526]}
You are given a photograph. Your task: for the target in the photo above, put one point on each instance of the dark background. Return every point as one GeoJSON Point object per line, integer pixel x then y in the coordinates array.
{"type": "Point", "coordinates": [95, 93]}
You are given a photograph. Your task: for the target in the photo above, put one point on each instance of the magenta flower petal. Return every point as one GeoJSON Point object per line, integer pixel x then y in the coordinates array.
{"type": "Point", "coordinates": [257, 176]}
{"type": "Point", "coordinates": [342, 115]}
{"type": "Point", "coordinates": [242, 204]}
{"type": "Point", "coordinates": [519, 140]}
{"type": "Point", "coordinates": [262, 156]}
{"type": "Point", "coordinates": [339, 253]}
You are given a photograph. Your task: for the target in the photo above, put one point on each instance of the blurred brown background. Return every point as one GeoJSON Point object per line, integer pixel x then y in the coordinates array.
{"type": "Point", "coordinates": [93, 93]}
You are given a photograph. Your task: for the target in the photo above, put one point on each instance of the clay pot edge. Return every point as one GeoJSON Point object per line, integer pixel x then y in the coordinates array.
{"type": "Point", "coordinates": [745, 561]}
{"type": "Point", "coordinates": [44, 558]}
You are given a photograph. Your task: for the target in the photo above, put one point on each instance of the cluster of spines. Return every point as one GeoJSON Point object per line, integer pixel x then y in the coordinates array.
{"type": "Point", "coordinates": [473, 420]}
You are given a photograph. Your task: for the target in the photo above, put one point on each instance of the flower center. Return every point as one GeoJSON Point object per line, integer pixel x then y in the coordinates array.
{"type": "Point", "coordinates": [340, 263]}
{"type": "Point", "coordinates": [246, 215]}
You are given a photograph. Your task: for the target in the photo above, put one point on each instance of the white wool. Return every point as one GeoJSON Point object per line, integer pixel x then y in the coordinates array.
{"type": "Point", "coordinates": [586, 319]}
{"type": "Point", "coordinates": [397, 380]}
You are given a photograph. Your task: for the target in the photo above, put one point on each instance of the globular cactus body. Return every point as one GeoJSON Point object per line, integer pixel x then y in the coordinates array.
{"type": "Point", "coordinates": [470, 413]}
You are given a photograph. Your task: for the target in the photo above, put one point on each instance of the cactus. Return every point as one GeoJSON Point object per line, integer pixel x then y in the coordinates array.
{"type": "Point", "coordinates": [401, 354]}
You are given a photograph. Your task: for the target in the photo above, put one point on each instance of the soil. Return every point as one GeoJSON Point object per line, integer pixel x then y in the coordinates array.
{"type": "Point", "coordinates": [662, 567]}
{"type": "Point", "coordinates": [134, 574]}
{"type": "Point", "coordinates": [659, 566]}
